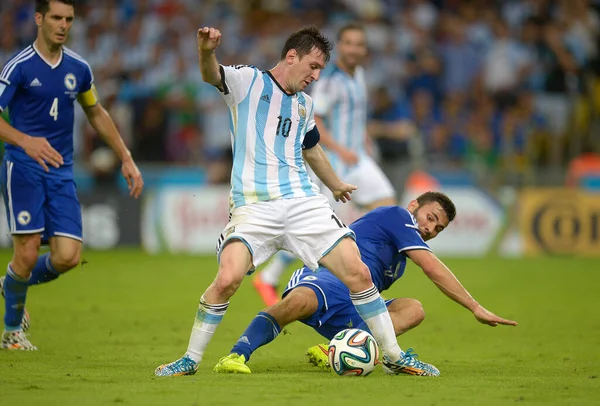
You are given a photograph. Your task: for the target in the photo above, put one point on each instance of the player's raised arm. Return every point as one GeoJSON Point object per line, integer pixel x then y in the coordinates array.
{"type": "Point", "coordinates": [447, 283]}
{"type": "Point", "coordinates": [208, 40]}
{"type": "Point", "coordinates": [316, 158]}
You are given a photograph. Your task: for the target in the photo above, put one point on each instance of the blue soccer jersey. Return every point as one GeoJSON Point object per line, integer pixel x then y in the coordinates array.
{"type": "Point", "coordinates": [383, 236]}
{"type": "Point", "coordinates": [41, 101]}
{"type": "Point", "coordinates": [41, 98]}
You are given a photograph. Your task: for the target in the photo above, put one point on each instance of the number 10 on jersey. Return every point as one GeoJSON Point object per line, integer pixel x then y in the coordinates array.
{"type": "Point", "coordinates": [284, 126]}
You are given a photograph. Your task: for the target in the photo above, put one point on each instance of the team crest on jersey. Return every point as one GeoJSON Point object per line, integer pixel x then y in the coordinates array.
{"type": "Point", "coordinates": [302, 111]}
{"type": "Point", "coordinates": [70, 81]}
{"type": "Point", "coordinates": [24, 218]}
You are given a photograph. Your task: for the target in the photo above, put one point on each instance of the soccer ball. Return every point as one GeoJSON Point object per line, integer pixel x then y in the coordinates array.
{"type": "Point", "coordinates": [353, 352]}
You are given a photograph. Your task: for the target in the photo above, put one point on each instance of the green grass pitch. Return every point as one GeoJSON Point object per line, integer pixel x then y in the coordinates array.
{"type": "Point", "coordinates": [103, 329]}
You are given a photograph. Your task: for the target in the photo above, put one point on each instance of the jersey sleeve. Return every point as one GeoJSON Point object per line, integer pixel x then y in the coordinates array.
{"type": "Point", "coordinates": [10, 80]}
{"type": "Point", "coordinates": [325, 96]}
{"type": "Point", "coordinates": [236, 82]}
{"type": "Point", "coordinates": [403, 228]}
{"type": "Point", "coordinates": [311, 117]}
{"type": "Point", "coordinates": [88, 96]}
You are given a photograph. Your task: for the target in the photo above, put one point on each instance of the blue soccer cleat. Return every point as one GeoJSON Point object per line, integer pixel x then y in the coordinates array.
{"type": "Point", "coordinates": [408, 364]}
{"type": "Point", "coordinates": [183, 366]}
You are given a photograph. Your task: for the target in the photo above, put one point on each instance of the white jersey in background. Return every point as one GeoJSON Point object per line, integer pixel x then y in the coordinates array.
{"type": "Point", "coordinates": [341, 100]}
{"type": "Point", "coordinates": [267, 143]}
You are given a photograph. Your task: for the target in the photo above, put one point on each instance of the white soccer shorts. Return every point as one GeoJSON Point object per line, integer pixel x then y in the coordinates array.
{"type": "Point", "coordinates": [306, 227]}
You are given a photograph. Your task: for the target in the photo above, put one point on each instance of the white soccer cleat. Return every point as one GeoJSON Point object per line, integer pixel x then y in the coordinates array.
{"type": "Point", "coordinates": [16, 340]}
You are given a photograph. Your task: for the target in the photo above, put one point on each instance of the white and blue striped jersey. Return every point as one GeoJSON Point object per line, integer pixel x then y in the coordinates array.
{"type": "Point", "coordinates": [267, 128]}
{"type": "Point", "coordinates": [341, 100]}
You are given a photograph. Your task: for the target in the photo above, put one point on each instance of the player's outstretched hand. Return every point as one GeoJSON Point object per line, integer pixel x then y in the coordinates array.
{"type": "Point", "coordinates": [134, 179]}
{"type": "Point", "coordinates": [42, 152]}
{"type": "Point", "coordinates": [208, 39]}
{"type": "Point", "coordinates": [486, 317]}
{"type": "Point", "coordinates": [343, 192]}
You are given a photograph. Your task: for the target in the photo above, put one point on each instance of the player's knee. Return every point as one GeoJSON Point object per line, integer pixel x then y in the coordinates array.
{"type": "Point", "coordinates": [358, 277]}
{"type": "Point", "coordinates": [299, 304]}
{"type": "Point", "coordinates": [409, 309]}
{"type": "Point", "coordinates": [26, 258]}
{"type": "Point", "coordinates": [227, 283]}
{"type": "Point", "coordinates": [416, 309]}
{"type": "Point", "coordinates": [26, 252]}
{"type": "Point", "coordinates": [65, 260]}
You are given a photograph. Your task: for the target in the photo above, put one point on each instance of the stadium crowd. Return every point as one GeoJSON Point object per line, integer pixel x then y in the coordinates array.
{"type": "Point", "coordinates": [508, 90]}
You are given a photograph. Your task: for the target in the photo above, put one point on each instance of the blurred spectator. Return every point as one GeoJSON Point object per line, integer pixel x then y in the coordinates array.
{"type": "Point", "coordinates": [503, 89]}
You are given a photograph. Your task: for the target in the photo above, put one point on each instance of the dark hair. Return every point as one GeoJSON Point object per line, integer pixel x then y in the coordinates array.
{"type": "Point", "coordinates": [350, 27]}
{"type": "Point", "coordinates": [42, 6]}
{"type": "Point", "coordinates": [304, 40]}
{"type": "Point", "coordinates": [442, 199]}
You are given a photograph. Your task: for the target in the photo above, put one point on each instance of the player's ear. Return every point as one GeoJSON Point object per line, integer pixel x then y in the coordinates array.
{"type": "Point", "coordinates": [412, 206]}
{"type": "Point", "coordinates": [290, 56]}
{"type": "Point", "coordinates": [39, 18]}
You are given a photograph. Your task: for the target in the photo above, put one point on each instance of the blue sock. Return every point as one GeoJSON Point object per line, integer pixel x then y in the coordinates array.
{"type": "Point", "coordinates": [43, 271]}
{"type": "Point", "coordinates": [262, 330]}
{"type": "Point", "coordinates": [15, 293]}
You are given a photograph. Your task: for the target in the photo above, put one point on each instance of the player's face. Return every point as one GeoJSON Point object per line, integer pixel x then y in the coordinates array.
{"type": "Point", "coordinates": [305, 70]}
{"type": "Point", "coordinates": [431, 218]}
{"type": "Point", "coordinates": [56, 23]}
{"type": "Point", "coordinates": [352, 48]}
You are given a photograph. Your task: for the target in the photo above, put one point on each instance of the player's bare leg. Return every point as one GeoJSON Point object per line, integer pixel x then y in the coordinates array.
{"type": "Point", "coordinates": [65, 253]}
{"type": "Point", "coordinates": [235, 262]}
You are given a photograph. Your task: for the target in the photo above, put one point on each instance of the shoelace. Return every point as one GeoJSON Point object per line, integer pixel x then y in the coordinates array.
{"type": "Point", "coordinates": [182, 364]}
{"type": "Point", "coordinates": [411, 354]}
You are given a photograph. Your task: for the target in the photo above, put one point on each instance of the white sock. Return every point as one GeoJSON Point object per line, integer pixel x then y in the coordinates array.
{"type": "Point", "coordinates": [272, 272]}
{"type": "Point", "coordinates": [207, 320]}
{"type": "Point", "coordinates": [371, 307]}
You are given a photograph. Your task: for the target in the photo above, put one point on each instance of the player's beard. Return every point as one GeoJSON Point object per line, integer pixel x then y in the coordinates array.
{"type": "Point", "coordinates": [293, 88]}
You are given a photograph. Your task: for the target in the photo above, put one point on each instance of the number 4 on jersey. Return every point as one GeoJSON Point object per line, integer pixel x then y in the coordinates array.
{"type": "Point", "coordinates": [54, 109]}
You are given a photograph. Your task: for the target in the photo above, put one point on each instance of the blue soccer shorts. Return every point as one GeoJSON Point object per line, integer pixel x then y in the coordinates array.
{"type": "Point", "coordinates": [335, 312]}
{"type": "Point", "coordinates": [38, 203]}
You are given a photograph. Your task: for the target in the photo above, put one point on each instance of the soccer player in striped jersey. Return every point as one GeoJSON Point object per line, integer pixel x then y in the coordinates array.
{"type": "Point", "coordinates": [39, 86]}
{"type": "Point", "coordinates": [274, 203]}
{"type": "Point", "coordinates": [341, 115]}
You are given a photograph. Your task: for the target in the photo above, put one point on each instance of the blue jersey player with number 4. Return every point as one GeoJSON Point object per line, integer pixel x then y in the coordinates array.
{"type": "Point", "coordinates": [39, 86]}
{"type": "Point", "coordinates": [386, 238]}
